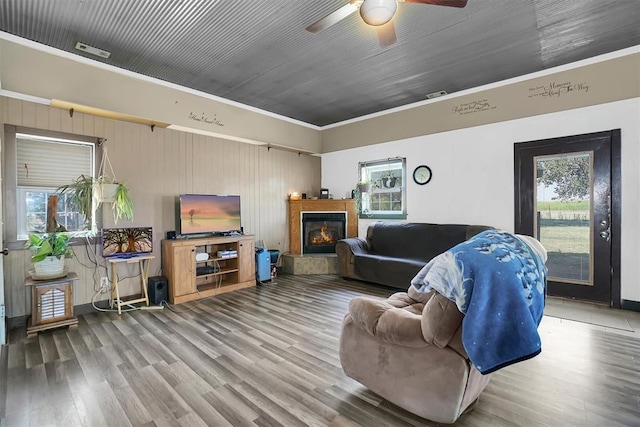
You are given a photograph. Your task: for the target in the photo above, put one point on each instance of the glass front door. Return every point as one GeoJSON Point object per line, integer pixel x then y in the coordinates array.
{"type": "Point", "coordinates": [563, 221]}
{"type": "Point", "coordinates": [567, 197]}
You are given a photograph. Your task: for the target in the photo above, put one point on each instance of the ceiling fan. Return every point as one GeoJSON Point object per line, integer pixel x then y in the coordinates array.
{"type": "Point", "coordinates": [377, 13]}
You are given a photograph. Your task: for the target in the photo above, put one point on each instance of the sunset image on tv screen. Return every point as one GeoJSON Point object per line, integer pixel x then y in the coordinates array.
{"type": "Point", "coordinates": [209, 214]}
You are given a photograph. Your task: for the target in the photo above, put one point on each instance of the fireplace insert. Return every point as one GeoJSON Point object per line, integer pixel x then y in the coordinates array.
{"type": "Point", "coordinates": [321, 231]}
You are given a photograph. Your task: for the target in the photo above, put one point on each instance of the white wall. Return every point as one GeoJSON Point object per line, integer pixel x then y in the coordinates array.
{"type": "Point", "coordinates": [473, 172]}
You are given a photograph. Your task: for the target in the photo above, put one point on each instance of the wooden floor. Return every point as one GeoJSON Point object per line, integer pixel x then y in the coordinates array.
{"type": "Point", "coordinates": [268, 356]}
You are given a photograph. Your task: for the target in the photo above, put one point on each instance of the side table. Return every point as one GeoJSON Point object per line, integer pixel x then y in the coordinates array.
{"type": "Point", "coordinates": [51, 304]}
{"type": "Point", "coordinates": [143, 261]}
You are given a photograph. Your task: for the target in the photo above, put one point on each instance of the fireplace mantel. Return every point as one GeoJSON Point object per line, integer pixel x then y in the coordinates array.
{"type": "Point", "coordinates": [322, 205]}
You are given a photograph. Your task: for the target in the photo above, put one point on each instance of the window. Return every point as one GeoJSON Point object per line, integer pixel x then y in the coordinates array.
{"type": "Point", "coordinates": [386, 198]}
{"type": "Point", "coordinates": [44, 161]}
{"type": "Point", "coordinates": [43, 165]}
{"type": "Point", "coordinates": [32, 214]}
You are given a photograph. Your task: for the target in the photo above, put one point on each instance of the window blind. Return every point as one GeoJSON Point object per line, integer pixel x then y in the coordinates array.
{"type": "Point", "coordinates": [51, 163]}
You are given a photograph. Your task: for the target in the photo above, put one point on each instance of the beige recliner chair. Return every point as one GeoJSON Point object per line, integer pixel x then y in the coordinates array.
{"type": "Point", "coordinates": [408, 349]}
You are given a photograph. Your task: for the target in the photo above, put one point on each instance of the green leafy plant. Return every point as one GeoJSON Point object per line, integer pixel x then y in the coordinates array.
{"type": "Point", "coordinates": [49, 244]}
{"type": "Point", "coordinates": [360, 209]}
{"type": "Point", "coordinates": [123, 204]}
{"type": "Point", "coordinates": [81, 191]}
{"type": "Point", "coordinates": [84, 198]}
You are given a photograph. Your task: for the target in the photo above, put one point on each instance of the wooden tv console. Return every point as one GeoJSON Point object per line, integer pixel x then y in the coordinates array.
{"type": "Point", "coordinates": [229, 265]}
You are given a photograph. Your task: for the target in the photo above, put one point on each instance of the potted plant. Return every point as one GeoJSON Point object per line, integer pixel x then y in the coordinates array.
{"type": "Point", "coordinates": [89, 192]}
{"type": "Point", "coordinates": [389, 179]}
{"type": "Point", "coordinates": [49, 251]}
{"type": "Point", "coordinates": [364, 186]}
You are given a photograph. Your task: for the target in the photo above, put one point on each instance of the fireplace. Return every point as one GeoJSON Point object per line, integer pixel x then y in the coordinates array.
{"type": "Point", "coordinates": [321, 231]}
{"type": "Point", "coordinates": [322, 206]}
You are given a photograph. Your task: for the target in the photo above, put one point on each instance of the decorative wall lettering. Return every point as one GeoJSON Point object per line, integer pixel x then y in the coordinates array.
{"type": "Point", "coordinates": [558, 89]}
{"type": "Point", "coordinates": [204, 119]}
{"type": "Point", "coordinates": [472, 107]}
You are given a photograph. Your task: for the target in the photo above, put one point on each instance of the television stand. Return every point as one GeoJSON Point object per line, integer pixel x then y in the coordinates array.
{"type": "Point", "coordinates": [223, 264]}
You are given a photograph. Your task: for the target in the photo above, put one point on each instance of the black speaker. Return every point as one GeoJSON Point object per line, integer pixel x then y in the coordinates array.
{"type": "Point", "coordinates": [158, 290]}
{"type": "Point", "coordinates": [171, 235]}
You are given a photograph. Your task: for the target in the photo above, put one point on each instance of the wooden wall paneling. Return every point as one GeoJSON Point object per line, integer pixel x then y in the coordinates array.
{"type": "Point", "coordinates": [264, 182]}
{"type": "Point", "coordinates": [55, 118]}
{"type": "Point", "coordinates": [98, 123]}
{"type": "Point", "coordinates": [3, 114]}
{"type": "Point", "coordinates": [88, 125]}
{"type": "Point", "coordinates": [232, 180]}
{"type": "Point", "coordinates": [126, 155]}
{"type": "Point", "coordinates": [205, 176]}
{"type": "Point", "coordinates": [14, 112]}
{"type": "Point", "coordinates": [225, 154]}
{"type": "Point", "coordinates": [16, 267]}
{"type": "Point", "coordinates": [77, 123]}
{"type": "Point", "coordinates": [88, 274]}
{"type": "Point", "coordinates": [249, 207]}
{"type": "Point", "coordinates": [185, 163]}
{"type": "Point", "coordinates": [172, 149]}
{"type": "Point", "coordinates": [158, 166]}
{"type": "Point", "coordinates": [29, 114]}
{"type": "Point", "coordinates": [164, 176]}
{"type": "Point", "coordinates": [42, 117]}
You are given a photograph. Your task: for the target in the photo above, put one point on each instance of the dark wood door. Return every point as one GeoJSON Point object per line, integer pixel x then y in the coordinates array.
{"type": "Point", "coordinates": [567, 196]}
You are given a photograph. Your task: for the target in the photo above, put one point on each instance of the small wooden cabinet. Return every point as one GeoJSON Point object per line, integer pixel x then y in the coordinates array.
{"type": "Point", "coordinates": [202, 267]}
{"type": "Point", "coordinates": [51, 304]}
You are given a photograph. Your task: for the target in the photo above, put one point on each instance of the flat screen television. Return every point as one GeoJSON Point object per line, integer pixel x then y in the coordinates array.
{"type": "Point", "coordinates": [208, 214]}
{"type": "Point", "coordinates": [126, 242]}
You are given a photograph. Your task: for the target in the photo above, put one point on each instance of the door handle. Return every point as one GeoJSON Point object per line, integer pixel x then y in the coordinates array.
{"type": "Point", "coordinates": [606, 235]}
{"type": "Point", "coordinates": [5, 251]}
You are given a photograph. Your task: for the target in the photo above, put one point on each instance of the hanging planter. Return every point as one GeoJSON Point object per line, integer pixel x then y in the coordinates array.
{"type": "Point", "coordinates": [389, 179]}
{"type": "Point", "coordinates": [105, 192]}
{"type": "Point", "coordinates": [88, 193]}
{"type": "Point", "coordinates": [364, 187]}
{"type": "Point", "coordinates": [389, 182]}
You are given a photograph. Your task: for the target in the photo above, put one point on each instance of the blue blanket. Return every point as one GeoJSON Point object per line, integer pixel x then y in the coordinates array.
{"type": "Point", "coordinates": [498, 282]}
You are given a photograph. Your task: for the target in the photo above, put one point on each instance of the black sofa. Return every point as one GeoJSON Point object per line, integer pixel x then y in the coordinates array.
{"type": "Point", "coordinates": [394, 252]}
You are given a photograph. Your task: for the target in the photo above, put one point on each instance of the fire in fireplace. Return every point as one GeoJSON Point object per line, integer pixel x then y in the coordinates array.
{"type": "Point", "coordinates": [321, 231]}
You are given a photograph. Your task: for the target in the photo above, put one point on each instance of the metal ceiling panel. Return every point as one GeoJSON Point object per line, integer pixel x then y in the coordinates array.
{"type": "Point", "coordinates": [257, 52]}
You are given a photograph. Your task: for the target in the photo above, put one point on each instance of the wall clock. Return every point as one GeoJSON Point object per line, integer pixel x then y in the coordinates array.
{"type": "Point", "coordinates": [422, 174]}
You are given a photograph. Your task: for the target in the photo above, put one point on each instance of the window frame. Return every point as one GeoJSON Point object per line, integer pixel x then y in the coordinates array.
{"type": "Point", "coordinates": [372, 172]}
{"type": "Point", "coordinates": [11, 209]}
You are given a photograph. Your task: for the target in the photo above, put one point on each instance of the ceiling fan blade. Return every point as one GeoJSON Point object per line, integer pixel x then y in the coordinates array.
{"type": "Point", "coordinates": [333, 18]}
{"type": "Point", "coordinates": [452, 3]}
{"type": "Point", "coordinates": [387, 34]}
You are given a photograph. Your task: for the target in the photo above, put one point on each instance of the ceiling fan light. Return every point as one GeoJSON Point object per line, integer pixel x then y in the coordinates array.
{"type": "Point", "coordinates": [378, 12]}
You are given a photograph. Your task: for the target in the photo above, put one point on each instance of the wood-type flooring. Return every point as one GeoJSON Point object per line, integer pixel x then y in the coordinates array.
{"type": "Point", "coordinates": [268, 356]}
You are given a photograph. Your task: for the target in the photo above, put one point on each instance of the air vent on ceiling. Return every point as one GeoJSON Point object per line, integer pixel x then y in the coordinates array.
{"type": "Point", "coordinates": [92, 50]}
{"type": "Point", "coordinates": [436, 94]}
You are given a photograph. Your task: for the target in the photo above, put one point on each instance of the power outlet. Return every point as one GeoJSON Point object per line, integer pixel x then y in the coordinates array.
{"type": "Point", "coordinates": [104, 283]}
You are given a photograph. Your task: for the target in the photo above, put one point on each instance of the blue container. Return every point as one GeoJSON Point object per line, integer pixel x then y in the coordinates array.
{"type": "Point", "coordinates": [274, 255]}
{"type": "Point", "coordinates": [263, 265]}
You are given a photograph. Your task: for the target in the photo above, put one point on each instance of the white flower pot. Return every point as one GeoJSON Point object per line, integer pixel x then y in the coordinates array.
{"type": "Point", "coordinates": [49, 266]}
{"type": "Point", "coordinates": [105, 193]}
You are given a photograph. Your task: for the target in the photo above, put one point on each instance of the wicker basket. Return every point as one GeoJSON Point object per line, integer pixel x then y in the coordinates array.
{"type": "Point", "coordinates": [50, 265]}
